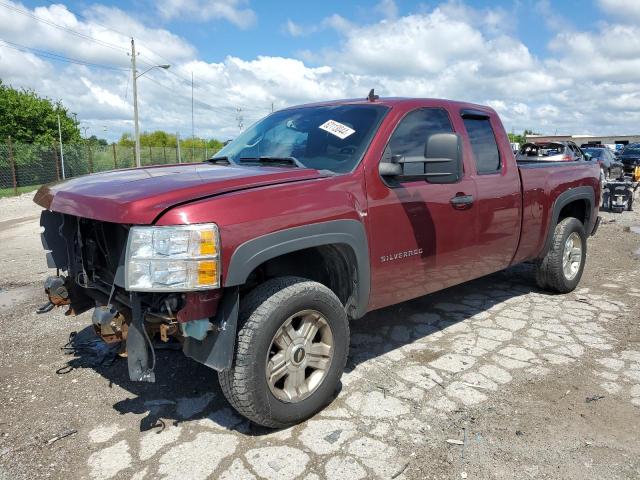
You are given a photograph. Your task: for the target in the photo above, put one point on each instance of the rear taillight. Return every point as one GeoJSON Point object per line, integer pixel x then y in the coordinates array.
{"type": "Point", "coordinates": [567, 158]}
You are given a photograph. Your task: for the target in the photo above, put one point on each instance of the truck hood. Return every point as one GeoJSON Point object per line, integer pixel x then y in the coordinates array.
{"type": "Point", "coordinates": [139, 196]}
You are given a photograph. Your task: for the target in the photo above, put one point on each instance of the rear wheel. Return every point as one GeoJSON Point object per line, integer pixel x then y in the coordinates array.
{"type": "Point", "coordinates": [292, 346]}
{"type": "Point", "coordinates": [561, 268]}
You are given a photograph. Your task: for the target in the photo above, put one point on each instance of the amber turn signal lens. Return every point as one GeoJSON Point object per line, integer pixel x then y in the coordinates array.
{"type": "Point", "coordinates": [207, 243]}
{"type": "Point", "coordinates": [207, 273]}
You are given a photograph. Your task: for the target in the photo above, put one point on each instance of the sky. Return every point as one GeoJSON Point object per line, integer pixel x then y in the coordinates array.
{"type": "Point", "coordinates": [561, 66]}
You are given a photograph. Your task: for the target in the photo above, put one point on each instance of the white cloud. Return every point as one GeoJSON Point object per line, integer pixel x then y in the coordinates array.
{"type": "Point", "coordinates": [387, 8]}
{"type": "Point", "coordinates": [233, 11]}
{"type": "Point", "coordinates": [293, 28]}
{"type": "Point", "coordinates": [626, 10]}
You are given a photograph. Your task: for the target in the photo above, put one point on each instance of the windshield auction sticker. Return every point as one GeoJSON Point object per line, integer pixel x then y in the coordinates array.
{"type": "Point", "coordinates": [336, 128]}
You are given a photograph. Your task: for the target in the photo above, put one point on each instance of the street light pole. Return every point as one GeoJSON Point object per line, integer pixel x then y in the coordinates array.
{"type": "Point", "coordinates": [135, 76]}
{"type": "Point", "coordinates": [134, 73]}
{"type": "Point", "coordinates": [61, 152]}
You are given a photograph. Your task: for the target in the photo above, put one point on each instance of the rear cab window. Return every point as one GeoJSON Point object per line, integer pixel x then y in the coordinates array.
{"type": "Point", "coordinates": [483, 144]}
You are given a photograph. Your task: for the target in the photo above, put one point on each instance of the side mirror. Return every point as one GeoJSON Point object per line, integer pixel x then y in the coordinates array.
{"type": "Point", "coordinates": [390, 168]}
{"type": "Point", "coordinates": [441, 162]}
{"type": "Point", "coordinates": [587, 156]}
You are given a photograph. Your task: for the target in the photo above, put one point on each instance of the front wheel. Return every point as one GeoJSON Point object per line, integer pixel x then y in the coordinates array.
{"type": "Point", "coordinates": [293, 342]}
{"type": "Point", "coordinates": [561, 268]}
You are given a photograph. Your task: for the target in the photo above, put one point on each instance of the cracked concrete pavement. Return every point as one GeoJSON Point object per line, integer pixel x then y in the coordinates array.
{"type": "Point", "coordinates": [491, 379]}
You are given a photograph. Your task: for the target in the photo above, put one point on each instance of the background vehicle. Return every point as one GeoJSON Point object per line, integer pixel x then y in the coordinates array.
{"type": "Point", "coordinates": [317, 214]}
{"type": "Point", "coordinates": [549, 152]}
{"type": "Point", "coordinates": [611, 167]}
{"type": "Point", "coordinates": [630, 157]}
{"type": "Point", "coordinates": [617, 196]}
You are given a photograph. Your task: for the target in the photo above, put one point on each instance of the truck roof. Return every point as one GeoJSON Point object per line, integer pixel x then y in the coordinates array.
{"type": "Point", "coordinates": [407, 102]}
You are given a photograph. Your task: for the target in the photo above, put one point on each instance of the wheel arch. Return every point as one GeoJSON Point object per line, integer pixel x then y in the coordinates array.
{"type": "Point", "coordinates": [576, 202]}
{"type": "Point", "coordinates": [340, 243]}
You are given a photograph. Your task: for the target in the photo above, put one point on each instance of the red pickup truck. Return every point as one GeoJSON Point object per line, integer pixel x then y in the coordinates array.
{"type": "Point", "coordinates": [256, 259]}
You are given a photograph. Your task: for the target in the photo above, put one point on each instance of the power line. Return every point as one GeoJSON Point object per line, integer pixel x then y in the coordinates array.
{"type": "Point", "coordinates": [62, 27]}
{"type": "Point", "coordinates": [55, 56]}
{"type": "Point", "coordinates": [187, 83]}
{"type": "Point", "coordinates": [200, 103]}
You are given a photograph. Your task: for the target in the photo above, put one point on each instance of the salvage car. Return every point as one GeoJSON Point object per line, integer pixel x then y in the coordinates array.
{"type": "Point", "coordinates": [257, 260]}
{"type": "Point", "coordinates": [630, 158]}
{"type": "Point", "coordinates": [549, 152]}
{"type": "Point", "coordinates": [611, 167]}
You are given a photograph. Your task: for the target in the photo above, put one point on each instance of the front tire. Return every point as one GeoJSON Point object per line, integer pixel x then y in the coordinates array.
{"type": "Point", "coordinates": [292, 347]}
{"type": "Point", "coordinates": [561, 268]}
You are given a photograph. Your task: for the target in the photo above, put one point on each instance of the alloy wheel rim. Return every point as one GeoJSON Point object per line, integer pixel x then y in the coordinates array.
{"type": "Point", "coordinates": [299, 356]}
{"type": "Point", "coordinates": [572, 256]}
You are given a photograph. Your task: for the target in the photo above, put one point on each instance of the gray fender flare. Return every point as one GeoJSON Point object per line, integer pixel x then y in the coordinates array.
{"type": "Point", "coordinates": [256, 251]}
{"type": "Point", "coordinates": [564, 199]}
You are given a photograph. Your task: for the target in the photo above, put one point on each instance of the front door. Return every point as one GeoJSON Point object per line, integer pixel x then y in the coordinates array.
{"type": "Point", "coordinates": [421, 239]}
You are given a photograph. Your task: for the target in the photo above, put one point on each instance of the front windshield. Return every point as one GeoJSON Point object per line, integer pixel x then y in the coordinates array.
{"type": "Point", "coordinates": [333, 137]}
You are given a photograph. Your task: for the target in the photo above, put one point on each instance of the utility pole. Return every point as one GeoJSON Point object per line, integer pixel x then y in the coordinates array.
{"type": "Point", "coordinates": [193, 130]}
{"type": "Point", "coordinates": [61, 152]}
{"type": "Point", "coordinates": [178, 146]}
{"type": "Point", "coordinates": [134, 74]}
{"type": "Point", "coordinates": [271, 107]}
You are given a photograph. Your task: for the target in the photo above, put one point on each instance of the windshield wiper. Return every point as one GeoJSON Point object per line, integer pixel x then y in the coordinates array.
{"type": "Point", "coordinates": [281, 160]}
{"type": "Point", "coordinates": [221, 160]}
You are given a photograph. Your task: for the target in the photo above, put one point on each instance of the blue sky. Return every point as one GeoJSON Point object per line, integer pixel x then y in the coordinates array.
{"type": "Point", "coordinates": [215, 40]}
{"type": "Point", "coordinates": [552, 66]}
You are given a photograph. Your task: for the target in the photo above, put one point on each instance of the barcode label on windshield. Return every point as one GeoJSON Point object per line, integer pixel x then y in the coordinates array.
{"type": "Point", "coordinates": [336, 128]}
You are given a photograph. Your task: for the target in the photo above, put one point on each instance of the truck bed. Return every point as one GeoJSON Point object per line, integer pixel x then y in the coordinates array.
{"type": "Point", "coordinates": [542, 184]}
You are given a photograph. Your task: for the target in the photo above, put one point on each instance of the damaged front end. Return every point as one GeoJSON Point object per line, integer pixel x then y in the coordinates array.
{"type": "Point", "coordinates": [146, 285]}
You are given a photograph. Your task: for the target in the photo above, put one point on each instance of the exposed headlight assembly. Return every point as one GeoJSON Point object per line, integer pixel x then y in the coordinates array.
{"type": "Point", "coordinates": [173, 259]}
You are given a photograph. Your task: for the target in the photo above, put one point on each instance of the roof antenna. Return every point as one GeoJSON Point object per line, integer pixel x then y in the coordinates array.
{"type": "Point", "coordinates": [372, 97]}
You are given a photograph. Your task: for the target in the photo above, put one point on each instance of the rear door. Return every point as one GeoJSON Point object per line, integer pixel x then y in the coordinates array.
{"type": "Point", "coordinates": [498, 194]}
{"type": "Point", "coordinates": [419, 240]}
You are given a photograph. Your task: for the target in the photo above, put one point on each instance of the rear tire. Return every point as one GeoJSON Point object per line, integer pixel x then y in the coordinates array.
{"type": "Point", "coordinates": [561, 268]}
{"type": "Point", "coordinates": [268, 309]}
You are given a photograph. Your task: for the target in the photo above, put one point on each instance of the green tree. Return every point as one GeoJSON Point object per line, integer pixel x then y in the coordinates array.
{"type": "Point", "coordinates": [28, 118]}
{"type": "Point", "coordinates": [214, 145]}
{"type": "Point", "coordinates": [93, 140]}
{"type": "Point", "coordinates": [161, 138]}
{"type": "Point", "coordinates": [126, 140]}
{"type": "Point", "coordinates": [520, 138]}
{"type": "Point", "coordinates": [157, 139]}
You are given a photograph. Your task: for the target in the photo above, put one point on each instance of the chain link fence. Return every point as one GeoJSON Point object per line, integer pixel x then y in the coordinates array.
{"type": "Point", "coordinates": [24, 167]}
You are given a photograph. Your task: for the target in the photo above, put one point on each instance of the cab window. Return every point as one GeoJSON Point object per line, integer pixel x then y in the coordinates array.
{"type": "Point", "coordinates": [411, 134]}
{"type": "Point", "coordinates": [483, 144]}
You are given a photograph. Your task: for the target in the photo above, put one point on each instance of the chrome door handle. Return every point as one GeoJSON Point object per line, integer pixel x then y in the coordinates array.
{"type": "Point", "coordinates": [462, 202]}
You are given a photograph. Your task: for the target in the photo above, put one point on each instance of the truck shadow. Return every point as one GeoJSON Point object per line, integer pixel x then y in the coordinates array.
{"type": "Point", "coordinates": [186, 391]}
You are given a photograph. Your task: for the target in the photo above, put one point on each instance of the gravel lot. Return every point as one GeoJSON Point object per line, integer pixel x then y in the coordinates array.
{"type": "Point", "coordinates": [491, 379]}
